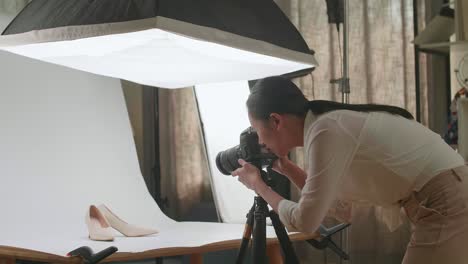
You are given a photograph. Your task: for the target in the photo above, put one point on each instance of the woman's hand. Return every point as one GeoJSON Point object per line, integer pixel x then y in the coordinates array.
{"type": "Point", "coordinates": [249, 175]}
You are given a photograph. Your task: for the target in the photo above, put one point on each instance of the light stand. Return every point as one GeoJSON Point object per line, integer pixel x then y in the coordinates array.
{"type": "Point", "coordinates": [343, 82]}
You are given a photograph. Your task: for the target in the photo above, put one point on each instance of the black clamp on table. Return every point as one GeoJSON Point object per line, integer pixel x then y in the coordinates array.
{"type": "Point", "coordinates": [89, 257]}
{"type": "Point", "coordinates": [327, 242]}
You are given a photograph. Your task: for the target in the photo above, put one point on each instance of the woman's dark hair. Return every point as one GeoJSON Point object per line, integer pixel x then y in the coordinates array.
{"type": "Point", "coordinates": [280, 95]}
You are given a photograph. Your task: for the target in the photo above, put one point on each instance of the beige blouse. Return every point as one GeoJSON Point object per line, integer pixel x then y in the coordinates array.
{"type": "Point", "coordinates": [375, 158]}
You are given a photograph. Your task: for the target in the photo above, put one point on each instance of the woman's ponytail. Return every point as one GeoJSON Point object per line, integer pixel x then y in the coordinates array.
{"type": "Point", "coordinates": [319, 107]}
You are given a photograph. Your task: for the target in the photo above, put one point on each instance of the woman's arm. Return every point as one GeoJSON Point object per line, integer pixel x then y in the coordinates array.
{"type": "Point", "coordinates": [329, 151]}
{"type": "Point", "coordinates": [287, 168]}
{"type": "Point", "coordinates": [270, 196]}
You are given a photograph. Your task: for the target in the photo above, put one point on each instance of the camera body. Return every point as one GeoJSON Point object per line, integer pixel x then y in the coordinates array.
{"type": "Point", "coordinates": [248, 149]}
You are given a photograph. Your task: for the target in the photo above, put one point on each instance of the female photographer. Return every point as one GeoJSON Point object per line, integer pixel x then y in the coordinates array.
{"type": "Point", "coordinates": [361, 153]}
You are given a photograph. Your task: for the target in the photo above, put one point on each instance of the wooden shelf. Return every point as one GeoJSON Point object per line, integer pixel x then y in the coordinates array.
{"type": "Point", "coordinates": [442, 47]}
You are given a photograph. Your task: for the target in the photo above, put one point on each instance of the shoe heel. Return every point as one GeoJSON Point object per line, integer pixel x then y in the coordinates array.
{"type": "Point", "coordinates": [99, 228]}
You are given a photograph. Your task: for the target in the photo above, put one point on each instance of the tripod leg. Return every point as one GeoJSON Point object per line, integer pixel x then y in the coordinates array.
{"type": "Point", "coordinates": [259, 236]}
{"type": "Point", "coordinates": [289, 254]}
{"type": "Point", "coordinates": [246, 237]}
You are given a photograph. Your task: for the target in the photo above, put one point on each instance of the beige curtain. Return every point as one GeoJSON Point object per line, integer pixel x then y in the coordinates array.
{"type": "Point", "coordinates": [381, 71]}
{"type": "Point", "coordinates": [184, 167]}
{"type": "Point", "coordinates": [381, 54]}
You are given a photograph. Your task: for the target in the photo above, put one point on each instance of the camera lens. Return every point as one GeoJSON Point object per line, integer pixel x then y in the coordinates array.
{"type": "Point", "coordinates": [227, 161]}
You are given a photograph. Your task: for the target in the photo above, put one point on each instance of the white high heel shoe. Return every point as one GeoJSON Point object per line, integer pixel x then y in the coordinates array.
{"type": "Point", "coordinates": [98, 227]}
{"type": "Point", "coordinates": [123, 227]}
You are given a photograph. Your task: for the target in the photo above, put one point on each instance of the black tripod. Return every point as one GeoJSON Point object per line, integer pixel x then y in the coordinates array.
{"type": "Point", "coordinates": [256, 221]}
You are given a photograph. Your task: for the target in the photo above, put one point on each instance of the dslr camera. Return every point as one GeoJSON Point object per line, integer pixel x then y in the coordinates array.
{"type": "Point", "coordinates": [248, 149]}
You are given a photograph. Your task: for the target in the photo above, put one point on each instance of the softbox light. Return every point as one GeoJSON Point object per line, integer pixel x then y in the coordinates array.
{"type": "Point", "coordinates": [163, 43]}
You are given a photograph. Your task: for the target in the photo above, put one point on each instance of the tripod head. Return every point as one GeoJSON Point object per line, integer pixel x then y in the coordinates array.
{"type": "Point", "coordinates": [266, 175]}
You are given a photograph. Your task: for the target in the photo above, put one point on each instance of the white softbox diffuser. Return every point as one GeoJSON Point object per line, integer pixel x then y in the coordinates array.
{"type": "Point", "coordinates": [158, 58]}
